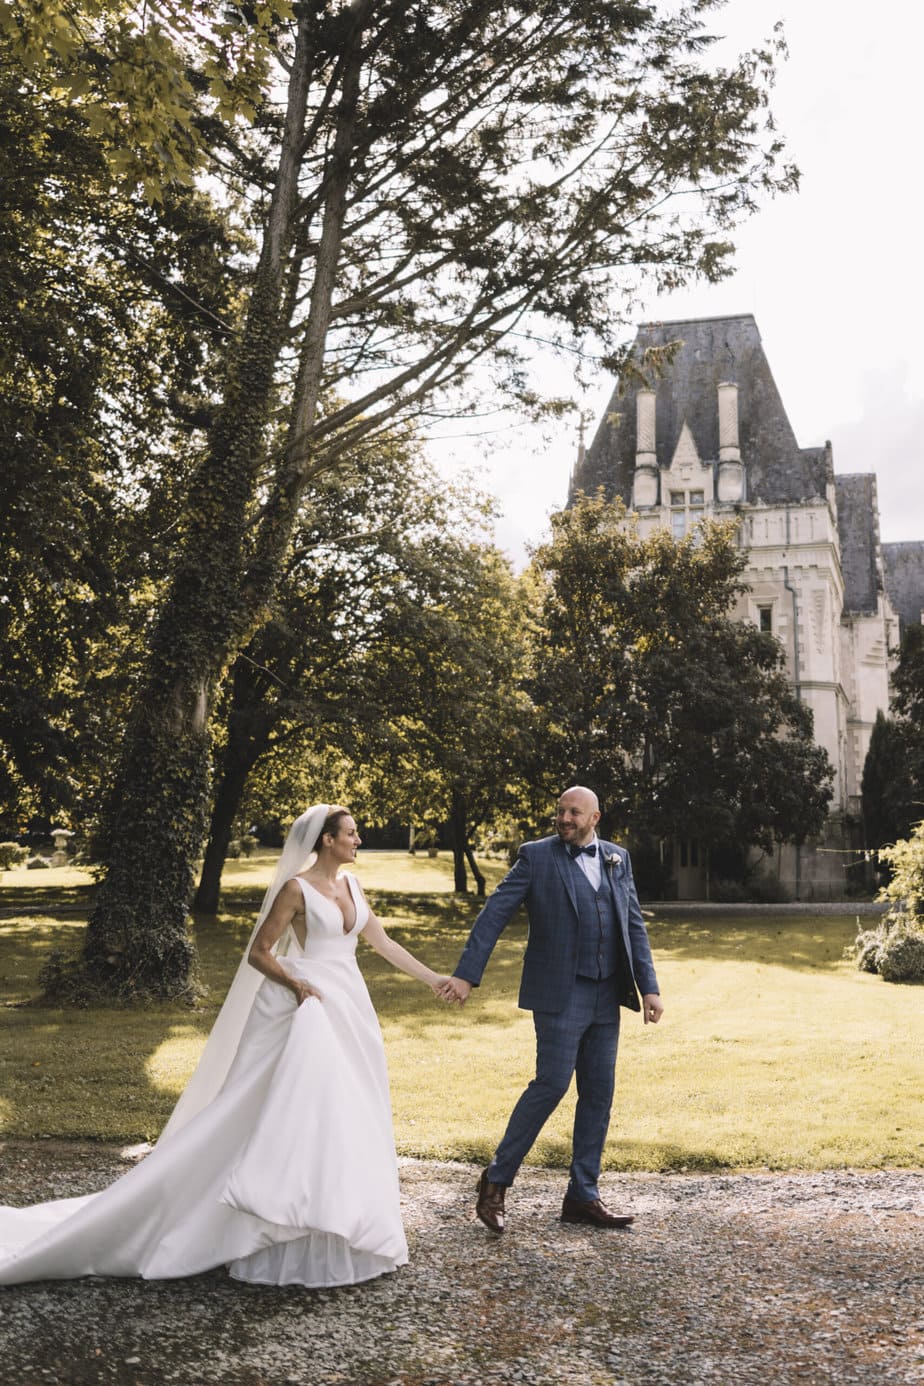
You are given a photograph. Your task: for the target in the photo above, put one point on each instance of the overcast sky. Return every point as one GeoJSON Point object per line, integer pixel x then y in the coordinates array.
{"type": "Point", "coordinates": [832, 273]}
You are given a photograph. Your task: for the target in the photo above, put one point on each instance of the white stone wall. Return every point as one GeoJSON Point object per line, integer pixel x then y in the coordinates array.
{"type": "Point", "coordinates": [794, 567]}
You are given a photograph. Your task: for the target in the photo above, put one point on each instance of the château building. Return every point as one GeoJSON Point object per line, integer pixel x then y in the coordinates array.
{"type": "Point", "coordinates": [710, 438]}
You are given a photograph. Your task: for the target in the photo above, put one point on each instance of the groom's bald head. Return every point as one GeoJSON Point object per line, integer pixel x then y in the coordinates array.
{"type": "Point", "coordinates": [577, 815]}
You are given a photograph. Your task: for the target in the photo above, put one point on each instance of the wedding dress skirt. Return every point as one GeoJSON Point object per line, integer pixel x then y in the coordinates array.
{"type": "Point", "coordinates": [288, 1176]}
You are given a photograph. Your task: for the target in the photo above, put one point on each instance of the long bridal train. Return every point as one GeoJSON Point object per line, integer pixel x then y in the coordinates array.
{"type": "Point", "coordinates": [288, 1174]}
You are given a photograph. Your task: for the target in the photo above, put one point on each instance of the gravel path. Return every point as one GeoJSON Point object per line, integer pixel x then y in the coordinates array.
{"type": "Point", "coordinates": [731, 1279]}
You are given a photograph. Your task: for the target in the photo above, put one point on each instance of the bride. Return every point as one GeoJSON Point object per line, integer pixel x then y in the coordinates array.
{"type": "Point", "coordinates": [279, 1158]}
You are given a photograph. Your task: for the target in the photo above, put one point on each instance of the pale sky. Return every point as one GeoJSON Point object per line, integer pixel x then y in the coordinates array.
{"type": "Point", "coordinates": [832, 273]}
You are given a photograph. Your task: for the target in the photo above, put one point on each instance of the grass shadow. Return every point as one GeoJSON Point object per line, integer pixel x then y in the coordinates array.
{"type": "Point", "coordinates": [109, 1073]}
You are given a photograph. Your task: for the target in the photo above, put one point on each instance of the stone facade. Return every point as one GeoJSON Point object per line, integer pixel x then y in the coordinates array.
{"type": "Point", "coordinates": [710, 438]}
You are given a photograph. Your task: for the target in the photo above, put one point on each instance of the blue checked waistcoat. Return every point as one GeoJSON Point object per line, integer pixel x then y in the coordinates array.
{"type": "Point", "coordinates": [598, 950]}
{"type": "Point", "coordinates": [544, 878]}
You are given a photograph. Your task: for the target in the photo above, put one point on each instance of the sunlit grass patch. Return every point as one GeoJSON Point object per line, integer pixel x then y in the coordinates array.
{"type": "Point", "coordinates": [169, 1066]}
{"type": "Point", "coordinates": [46, 878]}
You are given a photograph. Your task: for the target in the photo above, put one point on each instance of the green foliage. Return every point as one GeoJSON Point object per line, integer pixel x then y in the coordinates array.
{"type": "Point", "coordinates": [460, 742]}
{"type": "Point", "coordinates": [908, 677]}
{"type": "Point", "coordinates": [110, 324]}
{"type": "Point", "coordinates": [134, 948]}
{"type": "Point", "coordinates": [11, 854]}
{"type": "Point", "coordinates": [753, 886]}
{"type": "Point", "coordinates": [908, 704]}
{"type": "Point", "coordinates": [896, 948]}
{"type": "Point", "coordinates": [888, 788]}
{"type": "Point", "coordinates": [893, 799]}
{"type": "Point", "coordinates": [145, 83]}
{"type": "Point", "coordinates": [351, 666]}
{"type": "Point", "coordinates": [681, 717]}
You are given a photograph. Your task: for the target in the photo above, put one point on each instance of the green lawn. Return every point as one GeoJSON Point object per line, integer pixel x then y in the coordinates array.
{"type": "Point", "coordinates": [774, 1051]}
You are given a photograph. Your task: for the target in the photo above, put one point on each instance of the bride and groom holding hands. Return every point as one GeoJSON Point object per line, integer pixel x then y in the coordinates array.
{"type": "Point", "coordinates": [278, 1160]}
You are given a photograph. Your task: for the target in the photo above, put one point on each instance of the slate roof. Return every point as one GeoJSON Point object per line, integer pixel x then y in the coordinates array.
{"type": "Point", "coordinates": [711, 350]}
{"type": "Point", "coordinates": [858, 530]}
{"type": "Point", "coordinates": [903, 565]}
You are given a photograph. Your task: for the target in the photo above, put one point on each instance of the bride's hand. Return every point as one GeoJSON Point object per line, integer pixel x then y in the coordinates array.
{"type": "Point", "coordinates": [303, 990]}
{"type": "Point", "coordinates": [441, 990]}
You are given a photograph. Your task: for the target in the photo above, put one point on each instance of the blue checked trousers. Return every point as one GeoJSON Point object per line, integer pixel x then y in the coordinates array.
{"type": "Point", "coordinates": [580, 1040]}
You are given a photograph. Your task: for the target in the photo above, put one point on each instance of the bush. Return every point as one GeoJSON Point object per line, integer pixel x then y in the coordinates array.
{"type": "Point", "coordinates": [868, 948]}
{"type": "Point", "coordinates": [757, 888]}
{"type": "Point", "coordinates": [38, 864]}
{"type": "Point", "coordinates": [896, 949]}
{"type": "Point", "coordinates": [901, 959]}
{"type": "Point", "coordinates": [234, 848]}
{"type": "Point", "coordinates": [11, 854]}
{"type": "Point", "coordinates": [728, 892]}
{"type": "Point", "coordinates": [767, 890]}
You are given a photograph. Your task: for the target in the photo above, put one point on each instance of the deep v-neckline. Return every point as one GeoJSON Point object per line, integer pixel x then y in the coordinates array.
{"type": "Point", "coordinates": [346, 931]}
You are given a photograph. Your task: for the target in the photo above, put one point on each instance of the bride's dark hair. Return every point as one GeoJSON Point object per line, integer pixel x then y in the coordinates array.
{"type": "Point", "coordinates": [331, 825]}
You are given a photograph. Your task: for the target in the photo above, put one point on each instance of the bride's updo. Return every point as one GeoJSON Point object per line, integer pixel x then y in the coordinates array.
{"type": "Point", "coordinates": [331, 824]}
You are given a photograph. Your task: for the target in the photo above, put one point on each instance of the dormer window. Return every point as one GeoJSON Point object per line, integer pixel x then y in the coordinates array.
{"type": "Point", "coordinates": [687, 509]}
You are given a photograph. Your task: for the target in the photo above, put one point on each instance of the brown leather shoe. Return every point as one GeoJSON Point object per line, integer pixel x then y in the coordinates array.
{"type": "Point", "coordinates": [490, 1205]}
{"type": "Point", "coordinates": [594, 1212]}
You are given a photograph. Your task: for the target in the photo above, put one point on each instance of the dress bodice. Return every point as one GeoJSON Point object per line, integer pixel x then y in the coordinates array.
{"type": "Point", "coordinates": [324, 932]}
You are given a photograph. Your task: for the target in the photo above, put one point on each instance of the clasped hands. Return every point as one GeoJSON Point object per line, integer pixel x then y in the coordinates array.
{"type": "Point", "coordinates": [452, 990]}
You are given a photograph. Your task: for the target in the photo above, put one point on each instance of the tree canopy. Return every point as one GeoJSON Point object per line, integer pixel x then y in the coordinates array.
{"type": "Point", "coordinates": [394, 621]}
{"type": "Point", "coordinates": [681, 717]}
{"type": "Point", "coordinates": [102, 365]}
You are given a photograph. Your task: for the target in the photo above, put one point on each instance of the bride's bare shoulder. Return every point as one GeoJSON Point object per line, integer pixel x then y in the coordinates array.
{"type": "Point", "coordinates": [291, 893]}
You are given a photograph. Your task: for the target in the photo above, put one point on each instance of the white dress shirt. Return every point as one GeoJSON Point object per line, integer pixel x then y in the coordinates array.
{"type": "Point", "coordinates": [591, 865]}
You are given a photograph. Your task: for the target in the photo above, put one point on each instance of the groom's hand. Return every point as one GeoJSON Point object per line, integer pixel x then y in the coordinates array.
{"type": "Point", "coordinates": [652, 1008]}
{"type": "Point", "coordinates": [455, 989]}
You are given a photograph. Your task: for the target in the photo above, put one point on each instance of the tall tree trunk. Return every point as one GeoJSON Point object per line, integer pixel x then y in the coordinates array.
{"type": "Point", "coordinates": [458, 823]}
{"type": "Point", "coordinates": [138, 942]}
{"type": "Point", "coordinates": [241, 752]}
{"type": "Point", "coordinates": [480, 882]}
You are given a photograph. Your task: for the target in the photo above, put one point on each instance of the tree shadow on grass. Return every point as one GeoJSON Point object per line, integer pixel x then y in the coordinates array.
{"type": "Point", "coordinates": [97, 1072]}
{"type": "Point", "coordinates": [41, 900]}
{"type": "Point", "coordinates": [114, 1073]}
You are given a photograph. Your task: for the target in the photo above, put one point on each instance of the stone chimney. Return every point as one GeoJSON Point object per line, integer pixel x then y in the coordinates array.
{"type": "Point", "coordinates": [645, 484]}
{"type": "Point", "coordinates": [731, 469]}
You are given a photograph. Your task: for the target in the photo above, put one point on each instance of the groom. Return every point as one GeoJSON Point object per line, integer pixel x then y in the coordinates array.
{"type": "Point", "coordinates": [586, 954]}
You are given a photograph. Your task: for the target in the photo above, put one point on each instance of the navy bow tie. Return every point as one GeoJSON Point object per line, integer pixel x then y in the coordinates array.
{"type": "Point", "coordinates": [589, 851]}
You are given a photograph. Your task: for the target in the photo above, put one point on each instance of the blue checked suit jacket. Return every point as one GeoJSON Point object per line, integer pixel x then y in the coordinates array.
{"type": "Point", "coordinates": [541, 878]}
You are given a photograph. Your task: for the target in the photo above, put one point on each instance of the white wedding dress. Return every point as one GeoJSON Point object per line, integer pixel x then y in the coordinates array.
{"type": "Point", "coordinates": [288, 1175]}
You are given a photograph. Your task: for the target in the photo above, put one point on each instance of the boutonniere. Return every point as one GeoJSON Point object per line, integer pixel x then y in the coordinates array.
{"type": "Point", "coordinates": [613, 862]}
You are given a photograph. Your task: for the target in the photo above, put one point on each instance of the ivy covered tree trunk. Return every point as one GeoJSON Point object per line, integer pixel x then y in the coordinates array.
{"type": "Point", "coordinates": [138, 942]}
